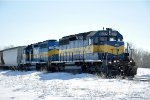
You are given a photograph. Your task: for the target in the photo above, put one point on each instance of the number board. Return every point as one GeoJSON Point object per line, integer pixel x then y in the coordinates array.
{"type": "Point", "coordinates": [110, 34]}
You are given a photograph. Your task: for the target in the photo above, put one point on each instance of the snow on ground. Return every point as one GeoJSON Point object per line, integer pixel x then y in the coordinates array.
{"type": "Point", "coordinates": [33, 85]}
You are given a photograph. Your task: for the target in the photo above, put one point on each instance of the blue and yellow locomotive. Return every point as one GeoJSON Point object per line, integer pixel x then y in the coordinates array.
{"type": "Point", "coordinates": [40, 54]}
{"type": "Point", "coordinates": [97, 51]}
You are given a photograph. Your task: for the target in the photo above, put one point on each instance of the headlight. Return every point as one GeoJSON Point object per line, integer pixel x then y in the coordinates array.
{"type": "Point", "coordinates": [115, 61]}
{"type": "Point", "coordinates": [109, 62]}
{"type": "Point", "coordinates": [130, 61]}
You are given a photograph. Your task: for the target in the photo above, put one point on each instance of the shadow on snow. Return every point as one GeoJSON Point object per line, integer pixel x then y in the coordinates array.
{"type": "Point", "coordinates": [145, 78]}
{"type": "Point", "coordinates": [63, 76]}
{"type": "Point", "coordinates": [48, 76]}
{"type": "Point", "coordinates": [16, 73]}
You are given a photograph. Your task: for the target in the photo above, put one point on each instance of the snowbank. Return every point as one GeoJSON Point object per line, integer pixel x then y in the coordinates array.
{"type": "Point", "coordinates": [34, 85]}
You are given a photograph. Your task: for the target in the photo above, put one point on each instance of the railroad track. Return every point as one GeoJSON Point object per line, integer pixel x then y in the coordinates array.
{"type": "Point", "coordinates": [141, 78]}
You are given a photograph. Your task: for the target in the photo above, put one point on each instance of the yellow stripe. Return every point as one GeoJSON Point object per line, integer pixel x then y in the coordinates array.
{"type": "Point", "coordinates": [109, 49]}
{"type": "Point", "coordinates": [52, 52]}
{"type": "Point", "coordinates": [27, 55]}
{"type": "Point", "coordinates": [43, 54]}
{"type": "Point", "coordinates": [93, 49]}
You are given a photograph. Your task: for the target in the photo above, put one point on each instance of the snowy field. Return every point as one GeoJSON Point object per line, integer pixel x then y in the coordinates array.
{"type": "Point", "coordinates": [32, 85]}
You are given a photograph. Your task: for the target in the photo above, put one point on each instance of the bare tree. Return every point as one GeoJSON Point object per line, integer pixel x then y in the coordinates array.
{"type": "Point", "coordinates": [146, 60]}
{"type": "Point", "coordinates": [141, 57]}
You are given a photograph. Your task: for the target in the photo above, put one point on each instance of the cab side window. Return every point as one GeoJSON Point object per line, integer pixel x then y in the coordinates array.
{"type": "Point", "coordinates": [90, 41]}
{"type": "Point", "coordinates": [96, 40]}
{"type": "Point", "coordinates": [103, 38]}
{"type": "Point", "coordinates": [112, 39]}
{"type": "Point", "coordinates": [120, 39]}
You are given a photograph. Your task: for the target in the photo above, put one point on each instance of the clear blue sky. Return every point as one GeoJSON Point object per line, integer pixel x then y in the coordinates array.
{"type": "Point", "coordinates": [24, 22]}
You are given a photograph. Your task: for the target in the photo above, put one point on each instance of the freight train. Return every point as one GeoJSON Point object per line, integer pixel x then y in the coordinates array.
{"type": "Point", "coordinates": [101, 51]}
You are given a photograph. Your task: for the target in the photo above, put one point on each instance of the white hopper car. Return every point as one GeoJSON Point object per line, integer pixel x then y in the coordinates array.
{"type": "Point", "coordinates": [12, 57]}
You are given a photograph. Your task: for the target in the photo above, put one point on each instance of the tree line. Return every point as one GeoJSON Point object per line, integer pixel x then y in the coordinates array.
{"type": "Point", "coordinates": [140, 56]}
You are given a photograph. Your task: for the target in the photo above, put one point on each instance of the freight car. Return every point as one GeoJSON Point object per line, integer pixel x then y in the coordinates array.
{"type": "Point", "coordinates": [11, 58]}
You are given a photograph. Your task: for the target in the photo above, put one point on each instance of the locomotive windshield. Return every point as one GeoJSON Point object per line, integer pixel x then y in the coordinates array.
{"type": "Point", "coordinates": [97, 40]}
{"type": "Point", "coordinates": [120, 39]}
{"type": "Point", "coordinates": [115, 39]}
{"type": "Point", "coordinates": [103, 39]}
{"type": "Point", "coordinates": [112, 38]}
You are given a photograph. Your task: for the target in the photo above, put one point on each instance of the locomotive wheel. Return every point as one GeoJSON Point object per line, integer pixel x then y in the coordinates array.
{"type": "Point", "coordinates": [84, 68]}
{"type": "Point", "coordinates": [132, 71]}
{"type": "Point", "coordinates": [43, 68]}
{"type": "Point", "coordinates": [104, 75]}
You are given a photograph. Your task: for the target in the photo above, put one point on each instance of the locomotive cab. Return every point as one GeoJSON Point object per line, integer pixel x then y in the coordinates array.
{"type": "Point", "coordinates": [99, 51]}
{"type": "Point", "coordinates": [108, 42]}
{"type": "Point", "coordinates": [108, 45]}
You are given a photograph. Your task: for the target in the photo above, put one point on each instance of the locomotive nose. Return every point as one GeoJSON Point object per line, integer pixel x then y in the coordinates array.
{"type": "Point", "coordinates": [118, 48]}
{"type": "Point", "coordinates": [113, 49]}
